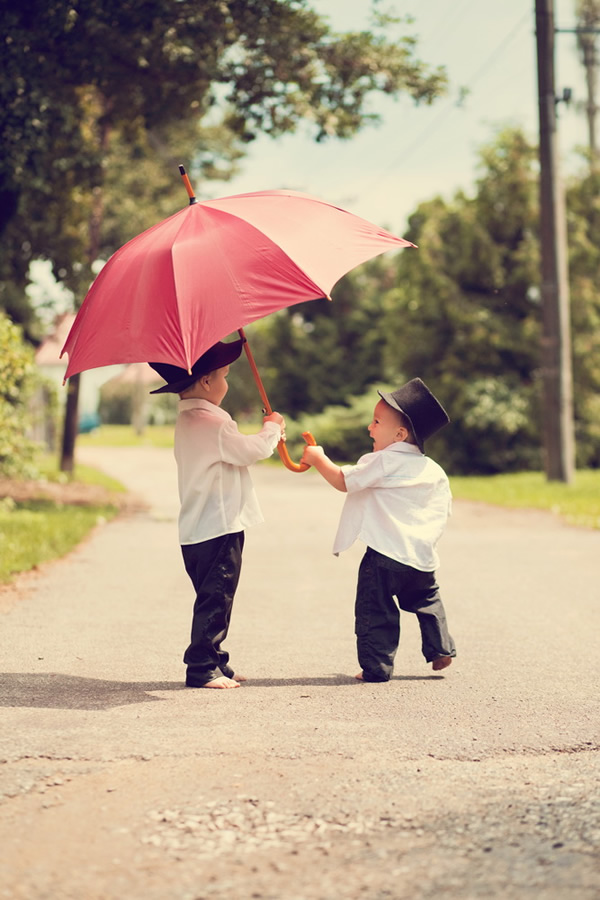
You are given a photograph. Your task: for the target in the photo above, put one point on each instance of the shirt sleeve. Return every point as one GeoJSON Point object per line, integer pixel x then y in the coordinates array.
{"type": "Point", "coordinates": [367, 473]}
{"type": "Point", "coordinates": [244, 449]}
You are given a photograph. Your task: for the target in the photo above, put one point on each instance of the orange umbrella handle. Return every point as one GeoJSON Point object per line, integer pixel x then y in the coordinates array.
{"type": "Point", "coordinates": [288, 461]}
{"type": "Point", "coordinates": [281, 447]}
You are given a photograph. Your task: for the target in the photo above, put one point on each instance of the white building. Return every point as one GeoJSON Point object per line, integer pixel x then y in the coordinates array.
{"type": "Point", "coordinates": [53, 367]}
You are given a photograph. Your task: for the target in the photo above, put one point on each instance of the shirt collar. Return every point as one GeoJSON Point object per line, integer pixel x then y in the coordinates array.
{"type": "Point", "coordinates": [197, 403]}
{"type": "Point", "coordinates": [403, 447]}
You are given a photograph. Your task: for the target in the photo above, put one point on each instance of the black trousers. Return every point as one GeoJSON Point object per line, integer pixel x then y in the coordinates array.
{"type": "Point", "coordinates": [384, 588]}
{"type": "Point", "coordinates": [214, 567]}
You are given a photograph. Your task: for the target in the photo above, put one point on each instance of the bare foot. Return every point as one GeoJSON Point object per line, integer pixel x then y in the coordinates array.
{"type": "Point", "coordinates": [239, 678]}
{"type": "Point", "coordinates": [442, 662]}
{"type": "Point", "coordinates": [221, 682]}
{"type": "Point", "coordinates": [359, 677]}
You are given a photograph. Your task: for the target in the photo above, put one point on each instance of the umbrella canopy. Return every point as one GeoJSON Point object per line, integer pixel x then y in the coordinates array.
{"type": "Point", "coordinates": [176, 289]}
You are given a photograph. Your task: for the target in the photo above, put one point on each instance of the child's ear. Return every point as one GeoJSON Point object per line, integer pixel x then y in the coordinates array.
{"type": "Point", "coordinates": [401, 434]}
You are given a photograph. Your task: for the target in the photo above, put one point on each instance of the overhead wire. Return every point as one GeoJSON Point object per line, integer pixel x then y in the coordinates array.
{"type": "Point", "coordinates": [449, 23]}
{"type": "Point", "coordinates": [444, 112]}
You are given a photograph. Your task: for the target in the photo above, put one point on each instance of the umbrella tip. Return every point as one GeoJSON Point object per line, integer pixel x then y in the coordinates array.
{"type": "Point", "coordinates": [188, 185]}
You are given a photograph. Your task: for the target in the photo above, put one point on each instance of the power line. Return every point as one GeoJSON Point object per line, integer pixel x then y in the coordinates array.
{"type": "Point", "coordinates": [453, 106]}
{"type": "Point", "coordinates": [455, 17]}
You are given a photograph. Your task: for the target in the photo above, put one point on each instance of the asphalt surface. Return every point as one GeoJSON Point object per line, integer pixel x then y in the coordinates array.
{"type": "Point", "coordinates": [481, 781]}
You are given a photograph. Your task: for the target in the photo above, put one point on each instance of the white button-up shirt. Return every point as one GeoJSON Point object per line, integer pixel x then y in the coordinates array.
{"type": "Point", "coordinates": [215, 489]}
{"type": "Point", "coordinates": [398, 503]}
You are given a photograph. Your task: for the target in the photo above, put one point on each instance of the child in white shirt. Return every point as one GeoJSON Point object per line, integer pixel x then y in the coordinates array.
{"type": "Point", "coordinates": [398, 503]}
{"type": "Point", "coordinates": [217, 502]}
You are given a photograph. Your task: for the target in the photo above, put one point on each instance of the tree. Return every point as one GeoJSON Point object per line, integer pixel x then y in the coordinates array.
{"type": "Point", "coordinates": [583, 204]}
{"type": "Point", "coordinates": [78, 74]}
{"type": "Point", "coordinates": [323, 352]}
{"type": "Point", "coordinates": [150, 70]}
{"type": "Point", "coordinates": [588, 25]}
{"type": "Point", "coordinates": [465, 312]}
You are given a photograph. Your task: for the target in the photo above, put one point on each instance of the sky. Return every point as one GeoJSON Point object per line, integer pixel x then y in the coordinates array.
{"type": "Point", "coordinates": [419, 152]}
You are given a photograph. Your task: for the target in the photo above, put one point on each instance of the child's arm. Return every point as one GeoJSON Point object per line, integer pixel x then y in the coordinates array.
{"type": "Point", "coordinates": [245, 449]}
{"type": "Point", "coordinates": [315, 456]}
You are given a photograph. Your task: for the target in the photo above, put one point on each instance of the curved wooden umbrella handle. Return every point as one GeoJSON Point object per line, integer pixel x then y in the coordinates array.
{"type": "Point", "coordinates": [286, 458]}
{"type": "Point", "coordinates": [281, 448]}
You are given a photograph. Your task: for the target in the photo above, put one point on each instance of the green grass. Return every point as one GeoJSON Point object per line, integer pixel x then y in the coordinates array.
{"type": "Point", "coordinates": [36, 531]}
{"type": "Point", "coordinates": [48, 469]}
{"type": "Point", "coordinates": [125, 436]}
{"type": "Point", "coordinates": [578, 503]}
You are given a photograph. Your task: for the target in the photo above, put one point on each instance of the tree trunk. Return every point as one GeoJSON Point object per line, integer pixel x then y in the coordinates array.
{"type": "Point", "coordinates": [67, 457]}
{"type": "Point", "coordinates": [70, 428]}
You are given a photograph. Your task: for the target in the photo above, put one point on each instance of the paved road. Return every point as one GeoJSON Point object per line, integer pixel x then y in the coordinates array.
{"type": "Point", "coordinates": [302, 785]}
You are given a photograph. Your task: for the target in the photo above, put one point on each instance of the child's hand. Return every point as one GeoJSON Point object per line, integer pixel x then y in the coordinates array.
{"type": "Point", "coordinates": [312, 454]}
{"type": "Point", "coordinates": [279, 420]}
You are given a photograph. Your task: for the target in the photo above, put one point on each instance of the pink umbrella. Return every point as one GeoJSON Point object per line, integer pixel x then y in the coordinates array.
{"type": "Point", "coordinates": [176, 289]}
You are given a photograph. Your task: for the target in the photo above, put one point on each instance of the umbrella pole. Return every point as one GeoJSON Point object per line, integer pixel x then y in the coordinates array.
{"type": "Point", "coordinates": [281, 447]}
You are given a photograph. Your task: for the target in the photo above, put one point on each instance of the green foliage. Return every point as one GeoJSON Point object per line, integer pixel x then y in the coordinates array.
{"type": "Point", "coordinates": [584, 264]}
{"type": "Point", "coordinates": [118, 402]}
{"type": "Point", "coordinates": [464, 315]}
{"type": "Point", "coordinates": [341, 430]}
{"type": "Point", "coordinates": [323, 353]}
{"type": "Point", "coordinates": [17, 381]}
{"type": "Point", "coordinates": [115, 406]}
{"type": "Point", "coordinates": [462, 312]}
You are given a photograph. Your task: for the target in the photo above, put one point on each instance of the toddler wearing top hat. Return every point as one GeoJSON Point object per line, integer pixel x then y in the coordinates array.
{"type": "Point", "coordinates": [398, 503]}
{"type": "Point", "coordinates": [218, 502]}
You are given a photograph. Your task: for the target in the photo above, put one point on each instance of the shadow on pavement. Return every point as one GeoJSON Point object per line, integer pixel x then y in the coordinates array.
{"type": "Point", "coordinates": [50, 690]}
{"type": "Point", "coordinates": [328, 681]}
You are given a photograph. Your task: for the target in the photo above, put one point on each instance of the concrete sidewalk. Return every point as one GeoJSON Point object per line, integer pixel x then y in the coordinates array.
{"type": "Point", "coordinates": [422, 775]}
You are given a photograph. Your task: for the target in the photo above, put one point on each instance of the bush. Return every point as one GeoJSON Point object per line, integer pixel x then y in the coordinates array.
{"type": "Point", "coordinates": [18, 380]}
{"type": "Point", "coordinates": [118, 402]}
{"type": "Point", "coordinates": [492, 429]}
{"type": "Point", "coordinates": [341, 430]}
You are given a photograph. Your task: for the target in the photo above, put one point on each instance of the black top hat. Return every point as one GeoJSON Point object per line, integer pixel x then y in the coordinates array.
{"type": "Point", "coordinates": [425, 414]}
{"type": "Point", "coordinates": [179, 380]}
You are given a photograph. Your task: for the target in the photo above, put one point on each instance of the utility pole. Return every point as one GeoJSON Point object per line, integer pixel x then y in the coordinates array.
{"type": "Point", "coordinates": [557, 380]}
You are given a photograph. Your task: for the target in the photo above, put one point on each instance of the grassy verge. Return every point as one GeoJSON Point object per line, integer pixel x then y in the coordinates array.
{"type": "Point", "coordinates": [125, 436]}
{"type": "Point", "coordinates": [35, 528]}
{"type": "Point", "coordinates": [578, 504]}
{"type": "Point", "coordinates": [35, 531]}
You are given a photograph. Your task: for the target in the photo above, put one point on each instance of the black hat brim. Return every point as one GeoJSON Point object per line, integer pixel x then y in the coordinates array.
{"type": "Point", "coordinates": [219, 355]}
